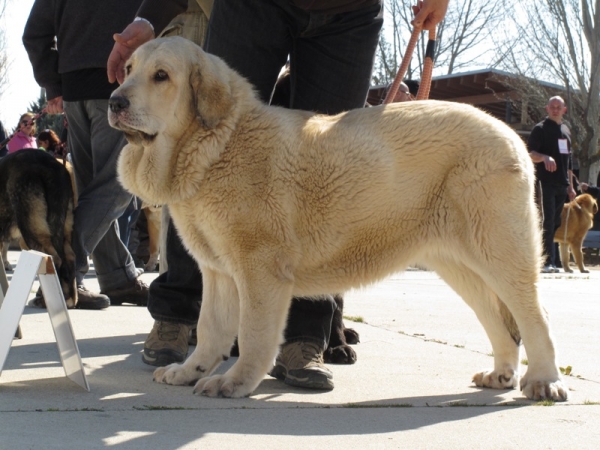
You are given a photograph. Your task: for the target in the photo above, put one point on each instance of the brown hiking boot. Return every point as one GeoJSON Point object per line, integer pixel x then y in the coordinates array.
{"type": "Point", "coordinates": [167, 343]}
{"type": "Point", "coordinates": [135, 292]}
{"type": "Point", "coordinates": [301, 364]}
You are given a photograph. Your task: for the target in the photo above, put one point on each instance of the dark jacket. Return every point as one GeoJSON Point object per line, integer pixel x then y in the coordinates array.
{"type": "Point", "coordinates": [160, 12]}
{"type": "Point", "coordinates": [68, 43]}
{"type": "Point", "coordinates": [544, 139]}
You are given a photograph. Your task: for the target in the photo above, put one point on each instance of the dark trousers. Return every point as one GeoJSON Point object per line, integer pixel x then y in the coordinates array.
{"type": "Point", "coordinates": [331, 59]}
{"type": "Point", "coordinates": [554, 197]}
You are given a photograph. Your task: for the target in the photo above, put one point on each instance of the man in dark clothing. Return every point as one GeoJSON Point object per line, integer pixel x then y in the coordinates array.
{"type": "Point", "coordinates": [549, 146]}
{"type": "Point", "coordinates": [68, 43]}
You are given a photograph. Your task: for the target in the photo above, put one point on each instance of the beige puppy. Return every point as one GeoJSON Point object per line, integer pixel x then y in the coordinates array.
{"type": "Point", "coordinates": [274, 203]}
{"type": "Point", "coordinates": [577, 218]}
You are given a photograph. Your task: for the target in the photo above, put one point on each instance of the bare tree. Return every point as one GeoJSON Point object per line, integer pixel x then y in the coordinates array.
{"type": "Point", "coordinates": [466, 38]}
{"type": "Point", "coordinates": [559, 41]}
{"type": "Point", "coordinates": [3, 53]}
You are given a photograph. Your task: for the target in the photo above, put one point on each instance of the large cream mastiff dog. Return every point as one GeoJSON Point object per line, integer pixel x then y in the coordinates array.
{"type": "Point", "coordinates": [274, 203]}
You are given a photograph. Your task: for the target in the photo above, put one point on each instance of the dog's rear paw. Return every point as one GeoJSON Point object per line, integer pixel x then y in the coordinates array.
{"type": "Point", "coordinates": [352, 336]}
{"type": "Point", "coordinates": [221, 386]}
{"type": "Point", "coordinates": [342, 354]}
{"type": "Point", "coordinates": [506, 379]}
{"type": "Point", "coordinates": [176, 374]}
{"type": "Point", "coordinates": [544, 390]}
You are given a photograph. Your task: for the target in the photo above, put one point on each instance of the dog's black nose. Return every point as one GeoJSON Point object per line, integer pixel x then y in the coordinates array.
{"type": "Point", "coordinates": [117, 104]}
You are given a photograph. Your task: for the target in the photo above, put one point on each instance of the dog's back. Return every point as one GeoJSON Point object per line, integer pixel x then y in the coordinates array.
{"type": "Point", "coordinates": [36, 204]}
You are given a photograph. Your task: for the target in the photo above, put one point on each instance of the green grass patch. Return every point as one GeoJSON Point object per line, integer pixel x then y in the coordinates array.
{"type": "Point", "coordinates": [358, 319]}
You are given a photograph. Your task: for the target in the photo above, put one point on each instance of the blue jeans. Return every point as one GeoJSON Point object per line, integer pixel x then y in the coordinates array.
{"type": "Point", "coordinates": [95, 147]}
{"type": "Point", "coordinates": [554, 197]}
{"type": "Point", "coordinates": [331, 60]}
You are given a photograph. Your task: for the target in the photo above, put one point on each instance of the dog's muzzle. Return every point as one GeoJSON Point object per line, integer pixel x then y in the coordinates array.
{"type": "Point", "coordinates": [118, 104]}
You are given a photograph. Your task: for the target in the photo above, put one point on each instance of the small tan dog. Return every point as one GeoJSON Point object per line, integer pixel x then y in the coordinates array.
{"type": "Point", "coordinates": [576, 220]}
{"type": "Point", "coordinates": [153, 219]}
{"type": "Point", "coordinates": [275, 203]}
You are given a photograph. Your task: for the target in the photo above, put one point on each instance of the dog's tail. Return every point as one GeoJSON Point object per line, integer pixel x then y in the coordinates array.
{"type": "Point", "coordinates": [42, 199]}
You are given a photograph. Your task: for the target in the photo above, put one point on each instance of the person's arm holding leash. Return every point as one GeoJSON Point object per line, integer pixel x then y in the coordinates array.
{"type": "Point", "coordinates": [152, 17]}
{"type": "Point", "coordinates": [571, 189]}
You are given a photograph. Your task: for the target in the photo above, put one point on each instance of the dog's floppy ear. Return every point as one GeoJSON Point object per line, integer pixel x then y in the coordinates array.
{"type": "Point", "coordinates": [212, 96]}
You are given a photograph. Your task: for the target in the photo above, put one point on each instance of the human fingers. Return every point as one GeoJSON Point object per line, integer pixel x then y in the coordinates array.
{"type": "Point", "coordinates": [428, 13]}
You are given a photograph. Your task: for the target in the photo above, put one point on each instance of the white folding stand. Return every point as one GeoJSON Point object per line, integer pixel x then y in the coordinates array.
{"type": "Point", "coordinates": [32, 263]}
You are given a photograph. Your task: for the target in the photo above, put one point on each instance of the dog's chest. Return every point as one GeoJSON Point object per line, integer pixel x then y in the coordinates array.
{"type": "Point", "coordinates": [197, 233]}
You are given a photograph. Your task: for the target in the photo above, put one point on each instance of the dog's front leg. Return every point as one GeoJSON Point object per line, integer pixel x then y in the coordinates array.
{"type": "Point", "coordinates": [264, 305]}
{"type": "Point", "coordinates": [217, 327]}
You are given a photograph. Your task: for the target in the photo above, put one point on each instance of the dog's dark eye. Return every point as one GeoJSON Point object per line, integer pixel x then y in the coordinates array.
{"type": "Point", "coordinates": [128, 69]}
{"type": "Point", "coordinates": [161, 75]}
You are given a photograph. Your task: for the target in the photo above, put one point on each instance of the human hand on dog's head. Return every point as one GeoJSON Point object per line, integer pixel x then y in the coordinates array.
{"type": "Point", "coordinates": [135, 34]}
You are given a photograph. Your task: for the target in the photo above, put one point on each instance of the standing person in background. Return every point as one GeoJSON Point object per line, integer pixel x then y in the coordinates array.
{"type": "Point", "coordinates": [25, 135]}
{"type": "Point", "coordinates": [68, 43]}
{"type": "Point", "coordinates": [549, 147]}
{"type": "Point", "coordinates": [331, 47]}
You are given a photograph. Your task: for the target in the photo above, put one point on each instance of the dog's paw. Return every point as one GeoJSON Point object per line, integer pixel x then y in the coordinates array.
{"type": "Point", "coordinates": [342, 354]}
{"type": "Point", "coordinates": [585, 271]}
{"type": "Point", "coordinates": [176, 374]}
{"type": "Point", "coordinates": [151, 265]}
{"type": "Point", "coordinates": [352, 336]}
{"type": "Point", "coordinates": [7, 267]}
{"type": "Point", "coordinates": [221, 386]}
{"type": "Point", "coordinates": [506, 379]}
{"type": "Point", "coordinates": [544, 389]}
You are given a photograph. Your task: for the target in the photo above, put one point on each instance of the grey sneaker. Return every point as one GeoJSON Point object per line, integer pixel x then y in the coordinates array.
{"type": "Point", "coordinates": [167, 343]}
{"type": "Point", "coordinates": [301, 364]}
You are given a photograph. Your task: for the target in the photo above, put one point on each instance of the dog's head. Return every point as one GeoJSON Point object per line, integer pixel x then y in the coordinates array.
{"type": "Point", "coordinates": [170, 83]}
{"type": "Point", "coordinates": [587, 202]}
{"type": "Point", "coordinates": [177, 107]}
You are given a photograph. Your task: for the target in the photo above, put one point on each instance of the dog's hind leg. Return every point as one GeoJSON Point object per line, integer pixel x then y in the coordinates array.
{"type": "Point", "coordinates": [495, 318]}
{"type": "Point", "coordinates": [32, 223]}
{"type": "Point", "coordinates": [576, 246]}
{"type": "Point", "coordinates": [217, 327]}
{"type": "Point", "coordinates": [263, 314]}
{"type": "Point", "coordinates": [4, 246]}
{"type": "Point", "coordinates": [565, 256]}
{"type": "Point", "coordinates": [515, 285]}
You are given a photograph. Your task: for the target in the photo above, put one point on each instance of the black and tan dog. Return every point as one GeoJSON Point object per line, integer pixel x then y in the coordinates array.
{"type": "Point", "coordinates": [36, 206]}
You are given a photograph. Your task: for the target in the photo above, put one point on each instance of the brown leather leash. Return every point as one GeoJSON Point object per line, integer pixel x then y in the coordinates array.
{"type": "Point", "coordinates": [425, 84]}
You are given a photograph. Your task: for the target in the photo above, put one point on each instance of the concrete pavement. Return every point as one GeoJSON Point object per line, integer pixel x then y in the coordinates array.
{"type": "Point", "coordinates": [410, 388]}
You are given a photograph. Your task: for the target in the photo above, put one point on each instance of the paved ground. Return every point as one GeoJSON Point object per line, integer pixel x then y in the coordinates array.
{"type": "Point", "coordinates": [410, 388]}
